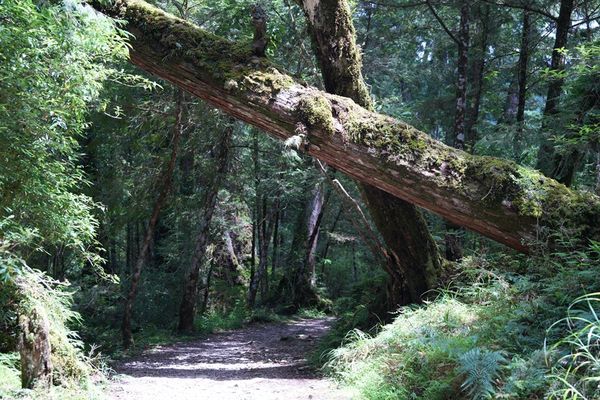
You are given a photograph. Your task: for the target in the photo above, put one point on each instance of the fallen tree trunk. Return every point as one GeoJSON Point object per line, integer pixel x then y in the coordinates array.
{"type": "Point", "coordinates": [497, 198]}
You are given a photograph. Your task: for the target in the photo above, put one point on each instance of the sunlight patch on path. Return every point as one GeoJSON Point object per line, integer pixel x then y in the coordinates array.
{"type": "Point", "coordinates": [259, 362]}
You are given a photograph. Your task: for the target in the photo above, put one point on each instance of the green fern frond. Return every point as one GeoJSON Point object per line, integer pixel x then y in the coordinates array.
{"type": "Point", "coordinates": [480, 368]}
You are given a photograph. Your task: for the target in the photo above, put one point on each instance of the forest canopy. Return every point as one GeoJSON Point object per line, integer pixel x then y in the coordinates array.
{"type": "Point", "coordinates": [140, 201]}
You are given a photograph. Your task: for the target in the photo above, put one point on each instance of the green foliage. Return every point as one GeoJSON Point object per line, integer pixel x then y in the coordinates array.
{"type": "Point", "coordinates": [52, 62]}
{"type": "Point", "coordinates": [481, 367]}
{"type": "Point", "coordinates": [39, 292]}
{"type": "Point", "coordinates": [15, 236]}
{"type": "Point", "coordinates": [9, 373]}
{"type": "Point", "coordinates": [527, 376]}
{"type": "Point", "coordinates": [214, 321]}
{"type": "Point", "coordinates": [72, 369]}
{"type": "Point", "coordinates": [311, 313]}
{"type": "Point", "coordinates": [581, 112]}
{"type": "Point", "coordinates": [264, 315]}
{"type": "Point", "coordinates": [577, 369]}
{"type": "Point", "coordinates": [483, 337]}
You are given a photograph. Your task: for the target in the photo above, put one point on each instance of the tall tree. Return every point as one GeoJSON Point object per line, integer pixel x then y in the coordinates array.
{"type": "Point", "coordinates": [165, 188]}
{"type": "Point", "coordinates": [317, 208]}
{"type": "Point", "coordinates": [263, 226]}
{"type": "Point", "coordinates": [479, 59]}
{"type": "Point", "coordinates": [522, 67]}
{"type": "Point", "coordinates": [298, 284]}
{"type": "Point", "coordinates": [187, 308]}
{"type": "Point", "coordinates": [560, 166]}
{"type": "Point", "coordinates": [453, 237]}
{"type": "Point", "coordinates": [413, 253]}
{"type": "Point", "coordinates": [459, 133]}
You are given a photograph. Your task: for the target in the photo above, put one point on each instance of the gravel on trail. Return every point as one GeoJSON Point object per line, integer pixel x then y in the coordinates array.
{"type": "Point", "coordinates": [260, 361]}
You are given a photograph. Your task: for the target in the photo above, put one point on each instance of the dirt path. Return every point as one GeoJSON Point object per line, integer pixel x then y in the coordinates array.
{"type": "Point", "coordinates": [264, 361]}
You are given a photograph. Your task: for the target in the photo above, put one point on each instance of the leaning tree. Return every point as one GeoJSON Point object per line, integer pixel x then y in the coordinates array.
{"type": "Point", "coordinates": [499, 199]}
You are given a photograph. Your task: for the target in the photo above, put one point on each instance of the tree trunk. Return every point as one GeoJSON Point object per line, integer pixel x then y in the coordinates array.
{"type": "Point", "coordinates": [331, 23]}
{"type": "Point", "coordinates": [328, 242]}
{"type": "Point", "coordinates": [419, 259]}
{"type": "Point", "coordinates": [266, 234]}
{"type": "Point", "coordinates": [457, 139]}
{"type": "Point", "coordinates": [598, 172]}
{"type": "Point", "coordinates": [297, 285]}
{"type": "Point", "coordinates": [263, 222]}
{"type": "Point", "coordinates": [128, 250]}
{"type": "Point", "coordinates": [313, 226]}
{"type": "Point", "coordinates": [511, 104]}
{"type": "Point", "coordinates": [554, 165]}
{"type": "Point", "coordinates": [209, 274]}
{"type": "Point", "coordinates": [522, 79]}
{"type": "Point", "coordinates": [354, 267]}
{"type": "Point", "coordinates": [35, 350]}
{"type": "Point", "coordinates": [478, 69]}
{"type": "Point", "coordinates": [454, 235]}
{"type": "Point", "coordinates": [234, 269]}
{"type": "Point", "coordinates": [187, 308]}
{"type": "Point", "coordinates": [275, 254]}
{"type": "Point", "coordinates": [165, 187]}
{"type": "Point", "coordinates": [497, 198]}
{"type": "Point", "coordinates": [264, 230]}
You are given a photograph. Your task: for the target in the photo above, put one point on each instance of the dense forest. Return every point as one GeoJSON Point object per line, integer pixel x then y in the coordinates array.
{"type": "Point", "coordinates": [425, 173]}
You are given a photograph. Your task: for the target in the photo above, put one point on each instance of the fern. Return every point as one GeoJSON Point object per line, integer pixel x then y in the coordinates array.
{"type": "Point", "coordinates": [480, 367]}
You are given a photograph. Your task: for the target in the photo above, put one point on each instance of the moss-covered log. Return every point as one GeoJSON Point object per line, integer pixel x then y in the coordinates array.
{"type": "Point", "coordinates": [494, 197]}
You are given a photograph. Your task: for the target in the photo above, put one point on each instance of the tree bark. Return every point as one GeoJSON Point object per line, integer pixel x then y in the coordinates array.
{"type": "Point", "coordinates": [297, 285]}
{"type": "Point", "coordinates": [399, 222]}
{"type": "Point", "coordinates": [328, 242]}
{"type": "Point", "coordinates": [264, 221]}
{"type": "Point", "coordinates": [209, 274]}
{"type": "Point", "coordinates": [233, 269]}
{"type": "Point", "coordinates": [256, 224]}
{"type": "Point", "coordinates": [555, 165]}
{"type": "Point", "coordinates": [522, 79]}
{"type": "Point", "coordinates": [313, 227]}
{"type": "Point", "coordinates": [511, 104]}
{"type": "Point", "coordinates": [128, 250]}
{"type": "Point", "coordinates": [165, 187]}
{"type": "Point", "coordinates": [478, 69]}
{"type": "Point", "coordinates": [459, 133]}
{"type": "Point", "coordinates": [598, 172]}
{"type": "Point", "coordinates": [275, 254]}
{"type": "Point", "coordinates": [35, 350]}
{"type": "Point", "coordinates": [454, 235]}
{"type": "Point", "coordinates": [497, 198]}
{"type": "Point", "coordinates": [187, 308]}
{"type": "Point", "coordinates": [265, 225]}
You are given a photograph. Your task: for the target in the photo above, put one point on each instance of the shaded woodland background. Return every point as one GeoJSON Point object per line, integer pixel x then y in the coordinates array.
{"type": "Point", "coordinates": [131, 212]}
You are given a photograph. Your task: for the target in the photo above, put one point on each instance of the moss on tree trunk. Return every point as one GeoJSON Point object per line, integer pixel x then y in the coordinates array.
{"type": "Point", "coordinates": [413, 264]}
{"type": "Point", "coordinates": [34, 348]}
{"type": "Point", "coordinates": [497, 198]}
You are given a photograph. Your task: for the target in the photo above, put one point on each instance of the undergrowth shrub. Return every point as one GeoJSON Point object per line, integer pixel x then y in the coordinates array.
{"type": "Point", "coordinates": [72, 369]}
{"type": "Point", "coordinates": [362, 307]}
{"type": "Point", "coordinates": [37, 291]}
{"type": "Point", "coordinates": [311, 313]}
{"type": "Point", "coordinates": [577, 370]}
{"type": "Point", "coordinates": [214, 320]}
{"type": "Point", "coordinates": [481, 368]}
{"type": "Point", "coordinates": [483, 337]}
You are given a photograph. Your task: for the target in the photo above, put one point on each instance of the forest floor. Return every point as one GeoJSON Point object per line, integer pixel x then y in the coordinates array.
{"type": "Point", "coordinates": [260, 361]}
